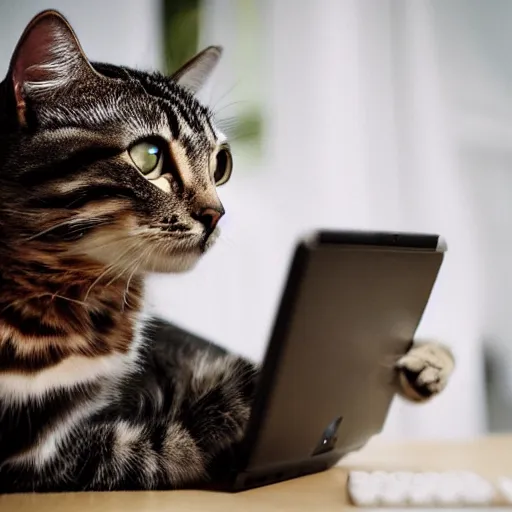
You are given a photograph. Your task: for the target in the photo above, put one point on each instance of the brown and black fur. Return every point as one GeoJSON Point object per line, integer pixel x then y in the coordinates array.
{"type": "Point", "coordinates": [94, 395]}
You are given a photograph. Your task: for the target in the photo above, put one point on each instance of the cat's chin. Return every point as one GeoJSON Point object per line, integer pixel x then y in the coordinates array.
{"type": "Point", "coordinates": [179, 260]}
{"type": "Point", "coordinates": [174, 263]}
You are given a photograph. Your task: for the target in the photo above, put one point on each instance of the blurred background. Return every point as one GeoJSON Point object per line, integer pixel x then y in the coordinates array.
{"type": "Point", "coordinates": [379, 114]}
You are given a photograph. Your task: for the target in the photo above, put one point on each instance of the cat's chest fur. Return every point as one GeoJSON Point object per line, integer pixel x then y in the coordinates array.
{"type": "Point", "coordinates": [55, 375]}
{"type": "Point", "coordinates": [55, 326]}
{"type": "Point", "coordinates": [39, 410]}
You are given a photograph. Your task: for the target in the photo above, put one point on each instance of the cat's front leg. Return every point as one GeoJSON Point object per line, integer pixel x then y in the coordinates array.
{"type": "Point", "coordinates": [169, 434]}
{"type": "Point", "coordinates": [217, 408]}
{"type": "Point", "coordinates": [424, 371]}
{"type": "Point", "coordinates": [218, 400]}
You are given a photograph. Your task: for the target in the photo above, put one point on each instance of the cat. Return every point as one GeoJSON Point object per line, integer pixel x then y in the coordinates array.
{"type": "Point", "coordinates": [106, 174]}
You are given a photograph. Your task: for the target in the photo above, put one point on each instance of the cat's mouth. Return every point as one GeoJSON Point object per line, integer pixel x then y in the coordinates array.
{"type": "Point", "coordinates": [196, 247]}
{"type": "Point", "coordinates": [209, 238]}
{"type": "Point", "coordinates": [182, 254]}
{"type": "Point", "coordinates": [147, 249]}
{"type": "Point", "coordinates": [191, 242]}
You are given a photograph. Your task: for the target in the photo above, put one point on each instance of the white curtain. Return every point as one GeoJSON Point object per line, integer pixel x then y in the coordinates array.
{"type": "Point", "coordinates": [358, 135]}
{"type": "Point", "coordinates": [436, 197]}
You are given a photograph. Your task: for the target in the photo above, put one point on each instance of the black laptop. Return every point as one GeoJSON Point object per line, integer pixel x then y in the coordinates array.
{"type": "Point", "coordinates": [351, 305]}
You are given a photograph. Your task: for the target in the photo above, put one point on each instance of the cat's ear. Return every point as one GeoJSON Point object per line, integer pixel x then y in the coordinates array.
{"type": "Point", "coordinates": [47, 57]}
{"type": "Point", "coordinates": [194, 74]}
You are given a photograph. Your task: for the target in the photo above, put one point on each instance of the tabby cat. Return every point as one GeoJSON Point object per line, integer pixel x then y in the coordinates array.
{"type": "Point", "coordinates": [107, 173]}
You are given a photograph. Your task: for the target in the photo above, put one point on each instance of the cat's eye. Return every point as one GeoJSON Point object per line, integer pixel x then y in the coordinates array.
{"type": "Point", "coordinates": [147, 157]}
{"type": "Point", "coordinates": [223, 166]}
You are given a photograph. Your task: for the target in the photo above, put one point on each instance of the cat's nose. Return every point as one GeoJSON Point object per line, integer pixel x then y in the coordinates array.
{"type": "Point", "coordinates": [209, 217]}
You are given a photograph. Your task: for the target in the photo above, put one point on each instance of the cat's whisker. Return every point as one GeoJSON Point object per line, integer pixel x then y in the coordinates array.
{"type": "Point", "coordinates": [18, 213]}
{"type": "Point", "coordinates": [127, 287]}
{"type": "Point", "coordinates": [125, 269]}
{"type": "Point", "coordinates": [145, 256]}
{"type": "Point", "coordinates": [48, 230]}
{"type": "Point", "coordinates": [221, 122]}
{"type": "Point", "coordinates": [27, 299]}
{"type": "Point", "coordinates": [235, 138]}
{"type": "Point", "coordinates": [141, 261]}
{"type": "Point", "coordinates": [227, 125]}
{"type": "Point", "coordinates": [107, 270]}
{"type": "Point", "coordinates": [13, 304]}
{"type": "Point", "coordinates": [96, 281]}
{"type": "Point", "coordinates": [110, 241]}
{"type": "Point", "coordinates": [117, 276]}
{"type": "Point", "coordinates": [80, 224]}
{"type": "Point", "coordinates": [74, 301]}
{"type": "Point", "coordinates": [232, 104]}
{"type": "Point", "coordinates": [224, 95]}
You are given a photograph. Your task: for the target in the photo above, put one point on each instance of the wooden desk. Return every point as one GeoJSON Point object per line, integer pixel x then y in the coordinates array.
{"type": "Point", "coordinates": [491, 457]}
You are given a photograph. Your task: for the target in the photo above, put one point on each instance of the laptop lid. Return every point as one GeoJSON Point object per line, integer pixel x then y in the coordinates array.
{"type": "Point", "coordinates": [349, 310]}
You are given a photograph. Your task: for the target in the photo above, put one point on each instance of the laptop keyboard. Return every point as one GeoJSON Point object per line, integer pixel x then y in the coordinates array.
{"type": "Point", "coordinates": [426, 489]}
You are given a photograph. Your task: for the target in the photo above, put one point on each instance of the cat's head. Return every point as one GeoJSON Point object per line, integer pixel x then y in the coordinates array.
{"type": "Point", "coordinates": [107, 163]}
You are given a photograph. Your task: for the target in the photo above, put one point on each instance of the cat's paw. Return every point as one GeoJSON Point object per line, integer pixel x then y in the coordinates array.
{"type": "Point", "coordinates": [424, 371]}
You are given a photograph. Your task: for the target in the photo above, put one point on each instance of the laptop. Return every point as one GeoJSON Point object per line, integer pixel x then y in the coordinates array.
{"type": "Point", "coordinates": [350, 308]}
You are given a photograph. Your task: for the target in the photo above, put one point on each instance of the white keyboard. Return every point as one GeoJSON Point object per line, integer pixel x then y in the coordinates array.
{"type": "Point", "coordinates": [426, 489]}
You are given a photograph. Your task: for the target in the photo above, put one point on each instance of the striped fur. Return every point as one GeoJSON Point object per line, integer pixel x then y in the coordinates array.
{"type": "Point", "coordinates": [94, 395]}
{"type": "Point", "coordinates": [162, 426]}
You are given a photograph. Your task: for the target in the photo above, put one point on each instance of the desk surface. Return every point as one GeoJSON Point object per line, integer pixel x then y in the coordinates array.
{"type": "Point", "coordinates": [490, 457]}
